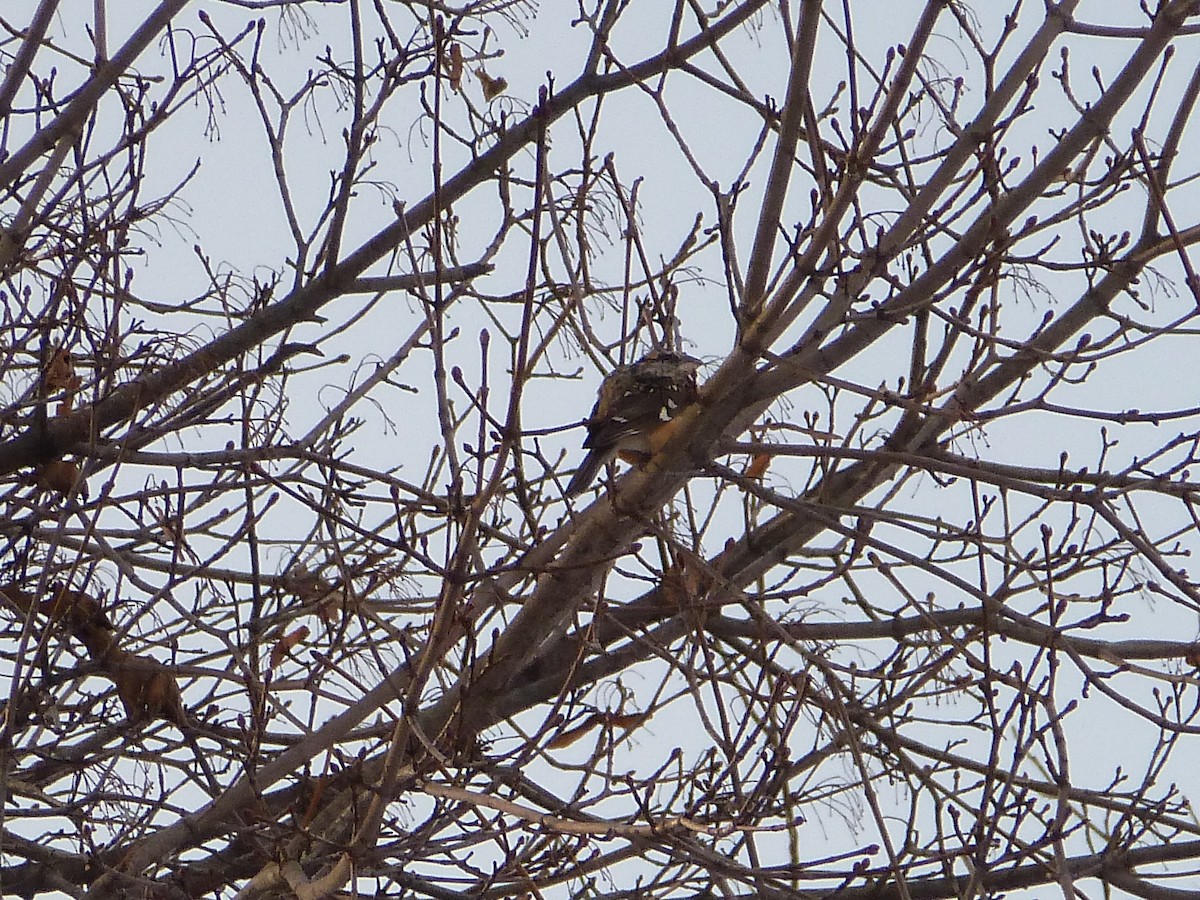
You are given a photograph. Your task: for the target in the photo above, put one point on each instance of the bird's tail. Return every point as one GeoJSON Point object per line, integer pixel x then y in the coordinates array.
{"type": "Point", "coordinates": [586, 473]}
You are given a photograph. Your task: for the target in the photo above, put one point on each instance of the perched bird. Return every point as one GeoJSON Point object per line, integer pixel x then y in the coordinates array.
{"type": "Point", "coordinates": [634, 402]}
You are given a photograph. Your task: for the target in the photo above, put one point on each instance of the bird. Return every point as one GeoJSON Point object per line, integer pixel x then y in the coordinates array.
{"type": "Point", "coordinates": [633, 402]}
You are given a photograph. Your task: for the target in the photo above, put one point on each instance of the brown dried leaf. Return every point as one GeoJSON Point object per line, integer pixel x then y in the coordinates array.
{"type": "Point", "coordinates": [672, 588]}
{"type": "Point", "coordinates": [683, 583]}
{"type": "Point", "coordinates": [571, 735]}
{"type": "Point", "coordinates": [18, 598]}
{"type": "Point", "coordinates": [60, 372]}
{"type": "Point", "coordinates": [454, 66]}
{"type": "Point", "coordinates": [492, 87]}
{"type": "Point", "coordinates": [57, 475]}
{"type": "Point", "coordinates": [146, 688]}
{"type": "Point", "coordinates": [758, 466]}
{"type": "Point", "coordinates": [81, 613]}
{"type": "Point", "coordinates": [626, 721]}
{"type": "Point", "coordinates": [79, 610]}
{"type": "Point", "coordinates": [286, 644]}
{"type": "Point", "coordinates": [337, 603]}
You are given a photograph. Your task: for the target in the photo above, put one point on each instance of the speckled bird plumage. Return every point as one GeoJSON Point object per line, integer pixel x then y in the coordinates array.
{"type": "Point", "coordinates": [633, 402]}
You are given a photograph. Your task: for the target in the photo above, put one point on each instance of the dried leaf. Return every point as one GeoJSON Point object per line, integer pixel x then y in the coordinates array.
{"type": "Point", "coordinates": [571, 735]}
{"type": "Point", "coordinates": [78, 609]}
{"type": "Point", "coordinates": [672, 589]}
{"type": "Point", "coordinates": [758, 465]}
{"type": "Point", "coordinates": [146, 688]}
{"type": "Point", "coordinates": [18, 598]}
{"type": "Point", "coordinates": [626, 721]}
{"type": "Point", "coordinates": [286, 644]}
{"type": "Point", "coordinates": [492, 87]}
{"type": "Point", "coordinates": [683, 583]}
{"type": "Point", "coordinates": [60, 372]}
{"type": "Point", "coordinates": [454, 66]}
{"type": "Point", "coordinates": [57, 475]}
{"type": "Point", "coordinates": [82, 614]}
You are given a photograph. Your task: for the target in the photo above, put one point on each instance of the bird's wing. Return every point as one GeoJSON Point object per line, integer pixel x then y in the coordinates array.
{"type": "Point", "coordinates": [637, 412]}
